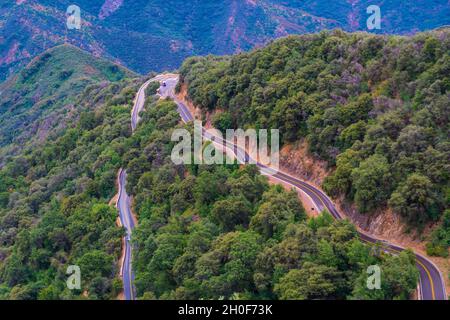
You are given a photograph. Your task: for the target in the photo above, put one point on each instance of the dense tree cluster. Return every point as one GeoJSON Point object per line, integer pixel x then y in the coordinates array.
{"type": "Point", "coordinates": [440, 238]}
{"type": "Point", "coordinates": [211, 232]}
{"type": "Point", "coordinates": [204, 231]}
{"type": "Point", "coordinates": [152, 88]}
{"type": "Point", "coordinates": [54, 208]}
{"type": "Point", "coordinates": [375, 107]}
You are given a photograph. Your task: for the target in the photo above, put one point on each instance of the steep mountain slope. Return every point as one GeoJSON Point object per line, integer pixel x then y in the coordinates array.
{"type": "Point", "coordinates": [397, 16]}
{"type": "Point", "coordinates": [41, 98]}
{"type": "Point", "coordinates": [376, 107]}
{"type": "Point", "coordinates": [212, 231]}
{"type": "Point", "coordinates": [150, 34]}
{"type": "Point", "coordinates": [204, 232]}
{"type": "Point", "coordinates": [54, 201]}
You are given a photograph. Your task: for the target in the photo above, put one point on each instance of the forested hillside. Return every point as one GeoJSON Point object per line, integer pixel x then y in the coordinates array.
{"type": "Point", "coordinates": [149, 35]}
{"type": "Point", "coordinates": [376, 108]}
{"type": "Point", "coordinates": [42, 98]}
{"type": "Point", "coordinates": [210, 232]}
{"type": "Point", "coordinates": [205, 232]}
{"type": "Point", "coordinates": [54, 199]}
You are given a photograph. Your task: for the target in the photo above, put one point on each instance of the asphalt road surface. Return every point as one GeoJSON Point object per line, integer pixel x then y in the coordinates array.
{"type": "Point", "coordinates": [124, 206]}
{"type": "Point", "coordinates": [431, 283]}
{"type": "Point", "coordinates": [124, 202]}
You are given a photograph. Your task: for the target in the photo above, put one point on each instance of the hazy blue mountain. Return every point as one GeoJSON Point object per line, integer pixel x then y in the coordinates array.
{"type": "Point", "coordinates": [155, 35]}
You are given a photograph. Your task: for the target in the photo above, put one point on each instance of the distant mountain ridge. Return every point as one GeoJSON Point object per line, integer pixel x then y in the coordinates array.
{"type": "Point", "coordinates": [149, 35]}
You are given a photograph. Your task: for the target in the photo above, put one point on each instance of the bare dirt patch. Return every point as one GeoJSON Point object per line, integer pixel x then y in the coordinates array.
{"type": "Point", "coordinates": [182, 96]}
{"type": "Point", "coordinates": [296, 160]}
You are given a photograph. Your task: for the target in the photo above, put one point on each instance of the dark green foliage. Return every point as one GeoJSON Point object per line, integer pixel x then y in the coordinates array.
{"type": "Point", "coordinates": [376, 107]}
{"type": "Point", "coordinates": [223, 121]}
{"type": "Point", "coordinates": [415, 199]}
{"type": "Point", "coordinates": [311, 282]}
{"type": "Point", "coordinates": [210, 232]}
{"type": "Point", "coordinates": [371, 181]}
{"type": "Point", "coordinates": [440, 238]}
{"type": "Point", "coordinates": [152, 88]}
{"type": "Point", "coordinates": [204, 231]}
{"type": "Point", "coordinates": [54, 208]}
{"type": "Point", "coordinates": [398, 273]}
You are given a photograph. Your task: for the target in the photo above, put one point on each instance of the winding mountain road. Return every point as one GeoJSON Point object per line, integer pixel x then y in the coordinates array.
{"type": "Point", "coordinates": [124, 201]}
{"type": "Point", "coordinates": [126, 218]}
{"type": "Point", "coordinates": [431, 282]}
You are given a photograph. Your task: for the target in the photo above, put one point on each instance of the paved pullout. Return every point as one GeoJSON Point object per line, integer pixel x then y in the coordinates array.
{"type": "Point", "coordinates": [431, 284]}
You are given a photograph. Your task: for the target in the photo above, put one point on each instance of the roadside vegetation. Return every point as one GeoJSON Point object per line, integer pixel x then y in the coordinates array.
{"type": "Point", "coordinates": [205, 232]}
{"type": "Point", "coordinates": [376, 108]}
{"type": "Point", "coordinates": [152, 88]}
{"type": "Point", "coordinates": [54, 208]}
{"type": "Point", "coordinates": [211, 232]}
